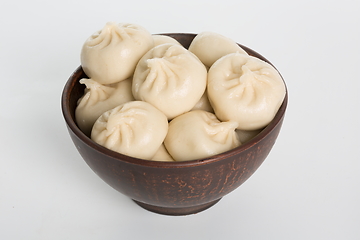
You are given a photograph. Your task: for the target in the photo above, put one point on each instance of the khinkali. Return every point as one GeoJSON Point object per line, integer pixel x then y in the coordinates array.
{"type": "Point", "coordinates": [134, 128]}
{"type": "Point", "coordinates": [99, 98]}
{"type": "Point", "coordinates": [162, 155]}
{"type": "Point", "coordinates": [204, 104]}
{"type": "Point", "coordinates": [161, 39]}
{"type": "Point", "coordinates": [199, 134]}
{"type": "Point", "coordinates": [111, 54]}
{"type": "Point", "coordinates": [245, 136]}
{"type": "Point", "coordinates": [245, 89]}
{"type": "Point", "coordinates": [171, 78]}
{"type": "Point", "coordinates": [210, 46]}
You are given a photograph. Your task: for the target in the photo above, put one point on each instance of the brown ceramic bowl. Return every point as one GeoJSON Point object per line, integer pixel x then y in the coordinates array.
{"type": "Point", "coordinates": [171, 188]}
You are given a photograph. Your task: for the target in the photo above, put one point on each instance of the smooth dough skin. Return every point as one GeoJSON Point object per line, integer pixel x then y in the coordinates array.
{"type": "Point", "coordinates": [162, 39]}
{"type": "Point", "coordinates": [203, 104]}
{"type": "Point", "coordinates": [210, 46]}
{"type": "Point", "coordinates": [245, 136]}
{"type": "Point", "coordinates": [245, 89]}
{"type": "Point", "coordinates": [111, 54]}
{"type": "Point", "coordinates": [199, 134]}
{"type": "Point", "coordinates": [135, 129]}
{"type": "Point", "coordinates": [171, 78]}
{"type": "Point", "coordinates": [162, 155]}
{"type": "Point", "coordinates": [98, 99]}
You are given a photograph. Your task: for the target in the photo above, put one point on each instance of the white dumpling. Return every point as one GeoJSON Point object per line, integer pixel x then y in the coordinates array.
{"type": "Point", "coordinates": [98, 99]}
{"type": "Point", "coordinates": [203, 104]}
{"type": "Point", "coordinates": [245, 89]}
{"type": "Point", "coordinates": [111, 54]}
{"type": "Point", "coordinates": [162, 155]}
{"type": "Point", "coordinates": [171, 78]}
{"type": "Point", "coordinates": [210, 46]}
{"type": "Point", "coordinates": [134, 128]}
{"type": "Point", "coordinates": [245, 136]}
{"type": "Point", "coordinates": [162, 39]}
{"type": "Point", "coordinates": [199, 134]}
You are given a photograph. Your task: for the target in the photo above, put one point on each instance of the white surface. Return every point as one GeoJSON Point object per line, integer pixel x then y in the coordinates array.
{"type": "Point", "coordinates": [309, 186]}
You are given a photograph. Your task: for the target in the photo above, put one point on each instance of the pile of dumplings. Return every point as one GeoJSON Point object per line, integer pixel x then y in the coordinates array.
{"type": "Point", "coordinates": [148, 97]}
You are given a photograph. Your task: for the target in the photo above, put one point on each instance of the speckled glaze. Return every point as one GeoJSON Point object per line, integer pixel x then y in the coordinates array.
{"type": "Point", "coordinates": [171, 188]}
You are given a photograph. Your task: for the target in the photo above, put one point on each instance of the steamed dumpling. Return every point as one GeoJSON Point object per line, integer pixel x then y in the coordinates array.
{"type": "Point", "coordinates": [245, 136]}
{"type": "Point", "coordinates": [162, 39]}
{"type": "Point", "coordinates": [162, 155]}
{"type": "Point", "coordinates": [245, 89]}
{"type": "Point", "coordinates": [199, 134]}
{"type": "Point", "coordinates": [111, 54]}
{"type": "Point", "coordinates": [203, 104]}
{"type": "Point", "coordinates": [171, 78]}
{"type": "Point", "coordinates": [98, 99]}
{"type": "Point", "coordinates": [135, 129]}
{"type": "Point", "coordinates": [210, 46]}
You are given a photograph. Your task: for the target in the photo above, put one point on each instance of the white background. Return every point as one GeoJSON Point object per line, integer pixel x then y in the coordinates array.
{"type": "Point", "coordinates": [308, 187]}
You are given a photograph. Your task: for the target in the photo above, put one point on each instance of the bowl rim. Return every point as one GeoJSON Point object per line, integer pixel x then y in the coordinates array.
{"type": "Point", "coordinates": [72, 126]}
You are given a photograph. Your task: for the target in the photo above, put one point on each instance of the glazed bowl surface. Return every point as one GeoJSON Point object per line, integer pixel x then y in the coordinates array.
{"type": "Point", "coordinates": [171, 188]}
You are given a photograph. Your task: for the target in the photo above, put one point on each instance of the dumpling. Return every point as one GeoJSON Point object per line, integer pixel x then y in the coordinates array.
{"type": "Point", "coordinates": [111, 54]}
{"type": "Point", "coordinates": [162, 155]}
{"type": "Point", "coordinates": [199, 134]}
{"type": "Point", "coordinates": [98, 99]}
{"type": "Point", "coordinates": [203, 104]}
{"type": "Point", "coordinates": [210, 46]}
{"type": "Point", "coordinates": [245, 136]}
{"type": "Point", "coordinates": [171, 78]}
{"type": "Point", "coordinates": [161, 39]}
{"type": "Point", "coordinates": [134, 128]}
{"type": "Point", "coordinates": [245, 89]}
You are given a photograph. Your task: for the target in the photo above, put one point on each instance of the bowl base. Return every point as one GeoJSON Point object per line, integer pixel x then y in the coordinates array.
{"type": "Point", "coordinates": [176, 211]}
